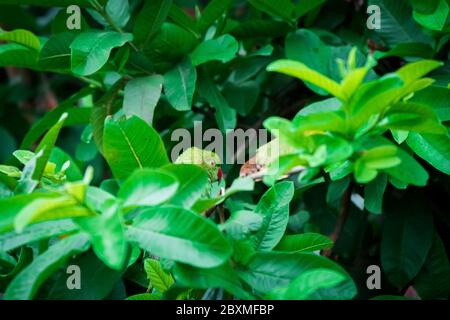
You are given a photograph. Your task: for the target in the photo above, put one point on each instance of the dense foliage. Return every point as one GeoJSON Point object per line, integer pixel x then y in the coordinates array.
{"type": "Point", "coordinates": [362, 178]}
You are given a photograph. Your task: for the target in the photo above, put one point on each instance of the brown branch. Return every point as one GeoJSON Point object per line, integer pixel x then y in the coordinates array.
{"type": "Point", "coordinates": [342, 218]}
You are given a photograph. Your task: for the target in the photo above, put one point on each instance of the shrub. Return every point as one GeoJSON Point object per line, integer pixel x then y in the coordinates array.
{"type": "Point", "coordinates": [355, 179]}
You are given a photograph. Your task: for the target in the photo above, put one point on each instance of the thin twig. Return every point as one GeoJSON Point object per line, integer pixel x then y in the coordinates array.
{"type": "Point", "coordinates": [342, 218]}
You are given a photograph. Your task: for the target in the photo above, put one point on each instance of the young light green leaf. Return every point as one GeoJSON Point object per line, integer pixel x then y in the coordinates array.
{"type": "Point", "coordinates": [416, 70]}
{"type": "Point", "coordinates": [46, 145]}
{"type": "Point", "coordinates": [302, 72]}
{"type": "Point", "coordinates": [42, 209]}
{"type": "Point", "coordinates": [23, 37]}
{"type": "Point", "coordinates": [159, 279]}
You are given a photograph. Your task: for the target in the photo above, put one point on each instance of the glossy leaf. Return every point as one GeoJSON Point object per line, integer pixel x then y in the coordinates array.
{"type": "Point", "coordinates": [131, 144]}
{"type": "Point", "coordinates": [274, 208]}
{"type": "Point", "coordinates": [26, 283]}
{"type": "Point", "coordinates": [90, 50]}
{"type": "Point", "coordinates": [180, 235]}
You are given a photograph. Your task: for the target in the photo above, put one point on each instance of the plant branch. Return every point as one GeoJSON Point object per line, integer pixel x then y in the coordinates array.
{"type": "Point", "coordinates": [342, 218]}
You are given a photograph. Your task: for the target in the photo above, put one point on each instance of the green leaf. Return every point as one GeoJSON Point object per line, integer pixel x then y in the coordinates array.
{"type": "Point", "coordinates": [409, 170]}
{"type": "Point", "coordinates": [373, 194]}
{"type": "Point", "coordinates": [147, 187]}
{"type": "Point", "coordinates": [97, 280]}
{"type": "Point", "coordinates": [238, 185]}
{"type": "Point", "coordinates": [277, 8]}
{"type": "Point", "coordinates": [36, 232]}
{"type": "Point", "coordinates": [242, 96]}
{"type": "Point", "coordinates": [172, 44]}
{"type": "Point", "coordinates": [397, 24]}
{"type": "Point", "coordinates": [179, 85]}
{"type": "Point", "coordinates": [407, 236]}
{"type": "Point", "coordinates": [241, 223]}
{"type": "Point", "coordinates": [274, 207]}
{"type": "Point", "coordinates": [25, 285]}
{"type": "Point", "coordinates": [46, 145]}
{"type": "Point", "coordinates": [213, 11]}
{"type": "Point", "coordinates": [302, 72]}
{"type": "Point", "coordinates": [435, 149]}
{"type": "Point", "coordinates": [336, 189]}
{"type": "Point", "coordinates": [219, 277]}
{"type": "Point", "coordinates": [27, 183]}
{"type": "Point", "coordinates": [381, 157]}
{"type": "Point", "coordinates": [42, 209]}
{"type": "Point", "coordinates": [180, 235]}
{"type": "Point", "coordinates": [10, 171]}
{"type": "Point", "coordinates": [223, 48]}
{"type": "Point", "coordinates": [13, 205]}
{"type": "Point", "coordinates": [434, 20]}
{"type": "Point", "coordinates": [309, 282]}
{"type": "Point", "coordinates": [150, 20]}
{"type": "Point", "coordinates": [130, 144]}
{"type": "Point", "coordinates": [403, 50]}
{"type": "Point", "coordinates": [306, 242]}
{"type": "Point", "coordinates": [51, 3]}
{"type": "Point", "coordinates": [306, 6]}
{"type": "Point", "coordinates": [416, 70]}
{"type": "Point", "coordinates": [103, 108]}
{"type": "Point", "coordinates": [437, 98]}
{"type": "Point", "coordinates": [15, 55]}
{"type": "Point", "coordinates": [145, 296]}
{"type": "Point", "coordinates": [225, 115]}
{"type": "Point", "coordinates": [55, 54]}
{"type": "Point", "coordinates": [267, 271]}
{"type": "Point", "coordinates": [91, 50]}
{"type": "Point", "coordinates": [159, 279]}
{"type": "Point", "coordinates": [22, 37]}
{"type": "Point", "coordinates": [107, 236]}
{"type": "Point", "coordinates": [433, 280]}
{"type": "Point", "coordinates": [192, 180]}
{"type": "Point", "coordinates": [141, 97]}
{"type": "Point", "coordinates": [119, 11]}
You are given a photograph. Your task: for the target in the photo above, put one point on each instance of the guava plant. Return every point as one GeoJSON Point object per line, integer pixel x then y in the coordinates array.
{"type": "Point", "coordinates": [94, 206]}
